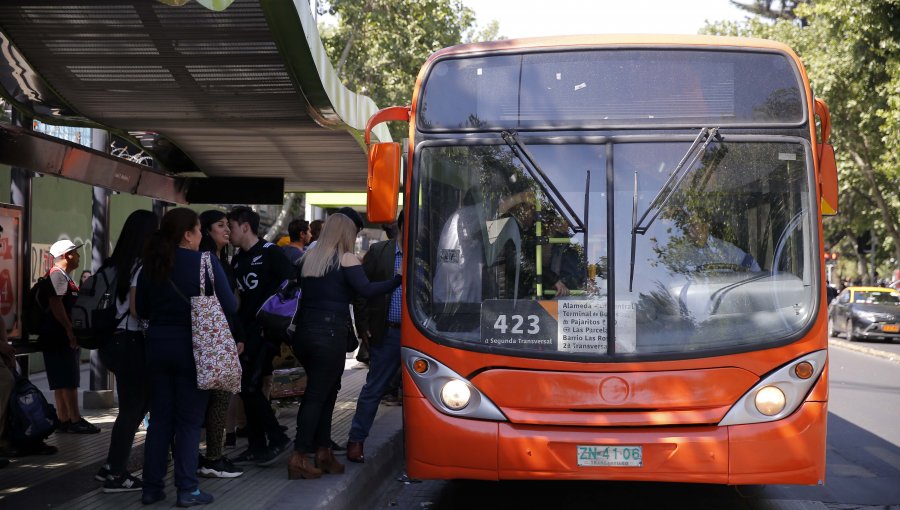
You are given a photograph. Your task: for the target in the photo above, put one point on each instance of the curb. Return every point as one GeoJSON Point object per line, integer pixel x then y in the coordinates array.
{"type": "Point", "coordinates": [361, 482]}
{"type": "Point", "coordinates": [843, 344]}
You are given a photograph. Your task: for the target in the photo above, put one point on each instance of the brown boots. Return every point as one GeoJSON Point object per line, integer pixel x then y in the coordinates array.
{"type": "Point", "coordinates": [327, 463]}
{"type": "Point", "coordinates": [302, 465]}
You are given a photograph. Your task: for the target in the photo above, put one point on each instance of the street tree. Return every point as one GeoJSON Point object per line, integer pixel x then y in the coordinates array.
{"type": "Point", "coordinates": [852, 53]}
{"type": "Point", "coordinates": [378, 46]}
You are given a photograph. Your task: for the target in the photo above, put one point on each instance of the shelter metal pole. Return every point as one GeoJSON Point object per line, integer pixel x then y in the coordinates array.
{"type": "Point", "coordinates": [20, 194]}
{"type": "Point", "coordinates": [100, 395]}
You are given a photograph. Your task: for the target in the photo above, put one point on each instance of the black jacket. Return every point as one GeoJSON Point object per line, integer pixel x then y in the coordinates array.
{"type": "Point", "coordinates": [371, 314]}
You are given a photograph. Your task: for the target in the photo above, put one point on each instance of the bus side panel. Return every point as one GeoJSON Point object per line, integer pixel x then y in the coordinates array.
{"type": "Point", "coordinates": [819, 392]}
{"type": "Point", "coordinates": [789, 451]}
{"type": "Point", "coordinates": [442, 447]}
{"type": "Point", "coordinates": [695, 454]}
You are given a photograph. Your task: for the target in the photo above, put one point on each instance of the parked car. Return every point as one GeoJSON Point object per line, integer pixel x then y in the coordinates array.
{"type": "Point", "coordinates": [865, 313]}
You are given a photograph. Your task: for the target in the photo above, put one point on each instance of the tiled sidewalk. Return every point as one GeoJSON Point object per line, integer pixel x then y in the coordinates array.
{"type": "Point", "coordinates": [65, 480]}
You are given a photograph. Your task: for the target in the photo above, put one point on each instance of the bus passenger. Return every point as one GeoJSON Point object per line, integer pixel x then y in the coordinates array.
{"type": "Point", "coordinates": [331, 275]}
{"type": "Point", "coordinates": [379, 323]}
{"type": "Point", "coordinates": [170, 276]}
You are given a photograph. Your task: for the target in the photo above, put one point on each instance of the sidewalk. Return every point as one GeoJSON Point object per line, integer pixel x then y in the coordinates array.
{"type": "Point", "coordinates": [870, 349]}
{"type": "Point", "coordinates": [65, 480]}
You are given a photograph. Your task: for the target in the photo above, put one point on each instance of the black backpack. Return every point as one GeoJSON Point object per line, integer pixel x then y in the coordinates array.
{"type": "Point", "coordinates": [35, 304]}
{"type": "Point", "coordinates": [31, 417]}
{"type": "Point", "coordinates": [94, 312]}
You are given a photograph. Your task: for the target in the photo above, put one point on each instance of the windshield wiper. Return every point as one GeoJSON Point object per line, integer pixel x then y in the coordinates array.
{"type": "Point", "coordinates": [534, 170]}
{"type": "Point", "coordinates": [704, 137]}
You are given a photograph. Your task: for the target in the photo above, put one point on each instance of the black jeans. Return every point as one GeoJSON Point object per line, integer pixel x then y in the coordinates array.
{"type": "Point", "coordinates": [261, 420]}
{"type": "Point", "coordinates": [321, 344]}
{"type": "Point", "coordinates": [123, 355]}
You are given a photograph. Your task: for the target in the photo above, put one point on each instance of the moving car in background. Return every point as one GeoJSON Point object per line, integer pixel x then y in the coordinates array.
{"type": "Point", "coordinates": [865, 313]}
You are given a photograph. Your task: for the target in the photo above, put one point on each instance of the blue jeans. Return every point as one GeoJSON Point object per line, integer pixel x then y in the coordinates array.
{"type": "Point", "coordinates": [177, 409]}
{"type": "Point", "coordinates": [384, 360]}
{"type": "Point", "coordinates": [321, 344]}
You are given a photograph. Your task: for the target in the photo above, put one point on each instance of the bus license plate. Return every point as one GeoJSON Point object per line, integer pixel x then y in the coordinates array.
{"type": "Point", "coordinates": [890, 328]}
{"type": "Point", "coordinates": [610, 456]}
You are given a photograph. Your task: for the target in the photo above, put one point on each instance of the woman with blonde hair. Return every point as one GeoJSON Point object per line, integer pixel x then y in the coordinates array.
{"type": "Point", "coordinates": [330, 276]}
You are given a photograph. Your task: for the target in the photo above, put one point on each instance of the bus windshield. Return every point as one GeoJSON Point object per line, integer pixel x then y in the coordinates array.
{"type": "Point", "coordinates": [728, 264]}
{"type": "Point", "coordinates": [601, 89]}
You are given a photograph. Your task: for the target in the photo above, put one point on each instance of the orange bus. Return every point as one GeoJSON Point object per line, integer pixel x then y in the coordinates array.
{"type": "Point", "coordinates": [676, 184]}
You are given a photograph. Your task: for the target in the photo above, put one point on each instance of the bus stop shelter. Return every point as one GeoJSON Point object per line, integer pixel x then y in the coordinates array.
{"type": "Point", "coordinates": [236, 102]}
{"type": "Point", "coordinates": [246, 92]}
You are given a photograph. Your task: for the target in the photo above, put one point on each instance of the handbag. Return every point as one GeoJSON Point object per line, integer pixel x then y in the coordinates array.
{"type": "Point", "coordinates": [215, 352]}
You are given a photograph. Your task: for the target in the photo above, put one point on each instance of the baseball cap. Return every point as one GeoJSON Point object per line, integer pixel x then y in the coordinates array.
{"type": "Point", "coordinates": [60, 248]}
{"type": "Point", "coordinates": [353, 215]}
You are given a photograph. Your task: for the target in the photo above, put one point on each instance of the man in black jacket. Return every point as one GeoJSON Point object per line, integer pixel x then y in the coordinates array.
{"type": "Point", "coordinates": [378, 321]}
{"type": "Point", "coordinates": [259, 269]}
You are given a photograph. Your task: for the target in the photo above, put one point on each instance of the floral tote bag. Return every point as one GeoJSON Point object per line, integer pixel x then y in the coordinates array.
{"type": "Point", "coordinates": [215, 353]}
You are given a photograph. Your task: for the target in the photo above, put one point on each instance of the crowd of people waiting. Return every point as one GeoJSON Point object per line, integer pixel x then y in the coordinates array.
{"type": "Point", "coordinates": [158, 270]}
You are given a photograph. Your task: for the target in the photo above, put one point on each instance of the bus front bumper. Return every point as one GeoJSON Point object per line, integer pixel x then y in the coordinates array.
{"type": "Point", "coordinates": [789, 451]}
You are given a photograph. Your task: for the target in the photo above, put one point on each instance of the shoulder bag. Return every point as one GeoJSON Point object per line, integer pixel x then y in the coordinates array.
{"type": "Point", "coordinates": [215, 352]}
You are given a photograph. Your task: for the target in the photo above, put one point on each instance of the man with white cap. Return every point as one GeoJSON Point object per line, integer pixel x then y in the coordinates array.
{"type": "Point", "coordinates": [61, 353]}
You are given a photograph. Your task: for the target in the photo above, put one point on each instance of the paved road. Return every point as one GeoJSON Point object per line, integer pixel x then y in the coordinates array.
{"type": "Point", "coordinates": [863, 467]}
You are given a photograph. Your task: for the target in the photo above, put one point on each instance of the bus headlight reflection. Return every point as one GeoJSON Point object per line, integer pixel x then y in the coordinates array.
{"type": "Point", "coordinates": [770, 400]}
{"type": "Point", "coordinates": [455, 394]}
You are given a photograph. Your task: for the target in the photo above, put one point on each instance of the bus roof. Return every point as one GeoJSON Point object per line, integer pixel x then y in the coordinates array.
{"type": "Point", "coordinates": [614, 40]}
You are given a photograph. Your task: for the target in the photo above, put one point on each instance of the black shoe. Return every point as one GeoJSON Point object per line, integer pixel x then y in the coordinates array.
{"type": "Point", "coordinates": [103, 474]}
{"type": "Point", "coordinates": [124, 483]}
{"type": "Point", "coordinates": [220, 468]}
{"type": "Point", "coordinates": [194, 499]}
{"type": "Point", "coordinates": [275, 453]}
{"type": "Point", "coordinates": [83, 426]}
{"type": "Point", "coordinates": [336, 447]}
{"type": "Point", "coordinates": [63, 427]}
{"type": "Point", "coordinates": [150, 497]}
{"type": "Point", "coordinates": [248, 456]}
{"type": "Point", "coordinates": [39, 448]}
{"type": "Point", "coordinates": [230, 440]}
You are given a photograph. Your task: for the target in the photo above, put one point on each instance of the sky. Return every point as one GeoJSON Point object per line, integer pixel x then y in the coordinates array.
{"type": "Point", "coordinates": [533, 18]}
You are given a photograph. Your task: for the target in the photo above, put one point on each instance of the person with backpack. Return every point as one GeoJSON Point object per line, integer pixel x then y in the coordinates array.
{"type": "Point", "coordinates": [62, 356]}
{"type": "Point", "coordinates": [259, 269]}
{"type": "Point", "coordinates": [122, 352]}
{"type": "Point", "coordinates": [170, 276]}
{"type": "Point", "coordinates": [215, 236]}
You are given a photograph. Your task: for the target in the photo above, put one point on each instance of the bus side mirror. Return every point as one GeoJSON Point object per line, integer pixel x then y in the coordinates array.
{"type": "Point", "coordinates": [828, 180]}
{"type": "Point", "coordinates": [384, 168]}
{"type": "Point", "coordinates": [383, 182]}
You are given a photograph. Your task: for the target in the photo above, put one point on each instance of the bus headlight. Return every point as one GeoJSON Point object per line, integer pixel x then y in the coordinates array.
{"type": "Point", "coordinates": [770, 400]}
{"type": "Point", "coordinates": [455, 394]}
{"type": "Point", "coordinates": [447, 391]}
{"type": "Point", "coordinates": [779, 393]}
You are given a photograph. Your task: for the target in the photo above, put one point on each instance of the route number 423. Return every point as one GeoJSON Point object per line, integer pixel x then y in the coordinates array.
{"type": "Point", "coordinates": [515, 323]}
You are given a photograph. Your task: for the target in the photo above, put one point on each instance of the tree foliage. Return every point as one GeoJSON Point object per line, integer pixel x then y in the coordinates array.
{"type": "Point", "coordinates": [784, 10]}
{"type": "Point", "coordinates": [851, 51]}
{"type": "Point", "coordinates": [378, 46]}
